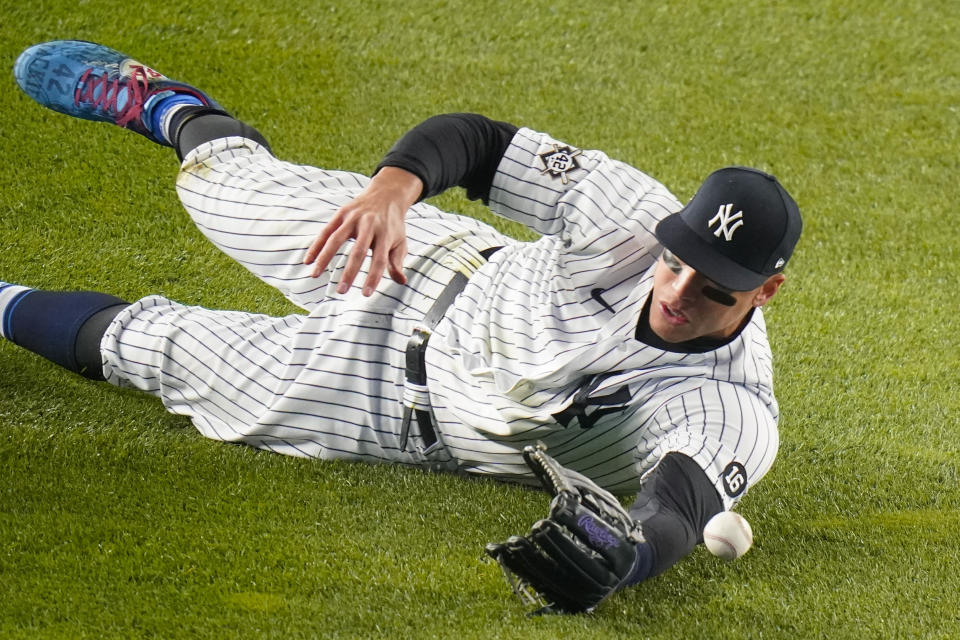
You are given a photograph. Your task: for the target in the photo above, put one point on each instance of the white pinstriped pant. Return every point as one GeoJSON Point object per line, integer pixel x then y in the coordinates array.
{"type": "Point", "coordinates": [326, 384]}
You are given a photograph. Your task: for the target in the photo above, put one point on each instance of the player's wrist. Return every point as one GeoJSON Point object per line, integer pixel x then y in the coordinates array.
{"type": "Point", "coordinates": [642, 565]}
{"type": "Point", "coordinates": [409, 186]}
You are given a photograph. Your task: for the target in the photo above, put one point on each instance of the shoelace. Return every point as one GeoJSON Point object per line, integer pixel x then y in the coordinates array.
{"type": "Point", "coordinates": [138, 90]}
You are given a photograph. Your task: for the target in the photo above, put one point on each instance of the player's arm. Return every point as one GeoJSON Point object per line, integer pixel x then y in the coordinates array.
{"type": "Point", "coordinates": [672, 509]}
{"type": "Point", "coordinates": [441, 152]}
{"type": "Point", "coordinates": [453, 150]}
{"type": "Point", "coordinates": [589, 547]}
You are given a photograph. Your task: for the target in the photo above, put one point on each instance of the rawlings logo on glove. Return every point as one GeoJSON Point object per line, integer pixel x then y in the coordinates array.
{"type": "Point", "coordinates": [599, 537]}
{"type": "Point", "coordinates": [582, 553]}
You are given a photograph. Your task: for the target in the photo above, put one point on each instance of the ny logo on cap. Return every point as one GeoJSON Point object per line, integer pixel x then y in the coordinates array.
{"type": "Point", "coordinates": [725, 220]}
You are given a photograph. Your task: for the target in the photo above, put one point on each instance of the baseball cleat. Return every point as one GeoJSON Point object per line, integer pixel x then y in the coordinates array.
{"type": "Point", "coordinates": [93, 82]}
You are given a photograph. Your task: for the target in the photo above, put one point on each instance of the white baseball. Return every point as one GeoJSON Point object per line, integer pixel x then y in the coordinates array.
{"type": "Point", "coordinates": [728, 535]}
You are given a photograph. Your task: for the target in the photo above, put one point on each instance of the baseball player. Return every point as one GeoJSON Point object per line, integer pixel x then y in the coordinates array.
{"type": "Point", "coordinates": [624, 352]}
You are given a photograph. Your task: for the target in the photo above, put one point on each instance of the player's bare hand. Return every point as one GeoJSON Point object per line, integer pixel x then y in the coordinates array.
{"type": "Point", "coordinates": [375, 221]}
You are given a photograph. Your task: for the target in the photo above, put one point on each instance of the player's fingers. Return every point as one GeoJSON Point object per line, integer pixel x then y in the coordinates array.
{"type": "Point", "coordinates": [354, 261]}
{"type": "Point", "coordinates": [314, 249]}
{"type": "Point", "coordinates": [327, 250]}
{"type": "Point", "coordinates": [324, 250]}
{"type": "Point", "coordinates": [395, 262]}
{"type": "Point", "coordinates": [321, 240]}
{"type": "Point", "coordinates": [333, 236]}
{"type": "Point", "coordinates": [378, 263]}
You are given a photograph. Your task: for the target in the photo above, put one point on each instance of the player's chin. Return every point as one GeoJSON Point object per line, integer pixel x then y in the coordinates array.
{"type": "Point", "coordinates": [672, 334]}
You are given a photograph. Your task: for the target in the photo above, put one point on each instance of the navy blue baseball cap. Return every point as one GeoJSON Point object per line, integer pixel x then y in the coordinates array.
{"type": "Point", "coordinates": [739, 229]}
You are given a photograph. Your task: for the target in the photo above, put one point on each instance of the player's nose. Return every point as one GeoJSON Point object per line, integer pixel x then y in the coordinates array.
{"type": "Point", "coordinates": [685, 284]}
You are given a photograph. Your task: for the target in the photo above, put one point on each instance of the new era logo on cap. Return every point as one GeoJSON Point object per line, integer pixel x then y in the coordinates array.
{"type": "Point", "coordinates": [739, 229]}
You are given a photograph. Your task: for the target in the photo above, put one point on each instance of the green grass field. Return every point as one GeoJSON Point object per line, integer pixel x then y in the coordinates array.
{"type": "Point", "coordinates": [118, 520]}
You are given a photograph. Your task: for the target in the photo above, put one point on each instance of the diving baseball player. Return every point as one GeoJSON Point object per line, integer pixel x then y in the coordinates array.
{"type": "Point", "coordinates": [623, 352]}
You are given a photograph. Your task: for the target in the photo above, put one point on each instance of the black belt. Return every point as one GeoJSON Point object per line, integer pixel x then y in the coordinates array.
{"type": "Point", "coordinates": [416, 367]}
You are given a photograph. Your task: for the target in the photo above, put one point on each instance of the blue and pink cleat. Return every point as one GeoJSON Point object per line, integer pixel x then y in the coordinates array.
{"type": "Point", "coordinates": [90, 81]}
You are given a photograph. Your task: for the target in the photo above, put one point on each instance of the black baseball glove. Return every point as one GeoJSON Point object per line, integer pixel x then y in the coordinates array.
{"type": "Point", "coordinates": [580, 554]}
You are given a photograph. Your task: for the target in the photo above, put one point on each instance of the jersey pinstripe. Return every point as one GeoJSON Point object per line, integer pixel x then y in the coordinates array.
{"type": "Point", "coordinates": [539, 346]}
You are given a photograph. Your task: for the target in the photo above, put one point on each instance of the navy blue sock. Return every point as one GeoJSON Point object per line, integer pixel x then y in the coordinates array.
{"type": "Point", "coordinates": [54, 324]}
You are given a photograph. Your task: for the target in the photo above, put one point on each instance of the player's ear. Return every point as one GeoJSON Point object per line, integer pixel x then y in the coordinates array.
{"type": "Point", "coordinates": [768, 289]}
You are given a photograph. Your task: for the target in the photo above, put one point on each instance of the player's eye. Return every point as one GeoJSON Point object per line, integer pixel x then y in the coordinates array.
{"type": "Point", "coordinates": [671, 261]}
{"type": "Point", "coordinates": [711, 292]}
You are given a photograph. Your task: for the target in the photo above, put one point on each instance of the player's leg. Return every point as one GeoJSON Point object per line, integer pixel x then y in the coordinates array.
{"type": "Point", "coordinates": [259, 210]}
{"type": "Point", "coordinates": [262, 212]}
{"type": "Point", "coordinates": [239, 377]}
{"type": "Point", "coordinates": [318, 386]}
{"type": "Point", "coordinates": [306, 386]}
{"type": "Point", "coordinates": [65, 327]}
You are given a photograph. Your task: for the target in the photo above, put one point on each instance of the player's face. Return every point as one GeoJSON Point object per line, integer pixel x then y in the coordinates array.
{"type": "Point", "coordinates": [685, 305]}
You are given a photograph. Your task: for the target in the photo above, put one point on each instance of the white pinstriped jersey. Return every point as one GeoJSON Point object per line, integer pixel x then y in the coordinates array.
{"type": "Point", "coordinates": [540, 346]}
{"type": "Point", "coordinates": [529, 337]}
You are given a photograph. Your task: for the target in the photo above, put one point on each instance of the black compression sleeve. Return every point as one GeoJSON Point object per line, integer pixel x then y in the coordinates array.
{"type": "Point", "coordinates": [453, 150]}
{"type": "Point", "coordinates": [674, 505]}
